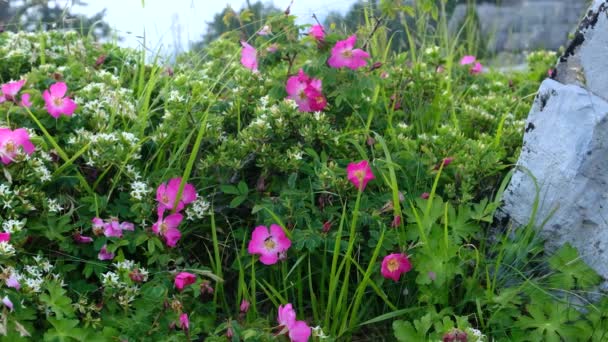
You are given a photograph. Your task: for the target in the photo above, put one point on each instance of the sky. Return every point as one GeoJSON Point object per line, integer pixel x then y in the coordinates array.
{"type": "Point", "coordinates": [162, 19]}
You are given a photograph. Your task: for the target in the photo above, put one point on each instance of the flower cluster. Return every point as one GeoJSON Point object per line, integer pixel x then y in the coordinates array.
{"type": "Point", "coordinates": [123, 283]}
{"type": "Point", "coordinates": [298, 331]}
{"type": "Point", "coordinates": [306, 92]}
{"type": "Point", "coordinates": [167, 198]}
{"type": "Point", "coordinates": [476, 67]}
{"type": "Point", "coordinates": [14, 142]}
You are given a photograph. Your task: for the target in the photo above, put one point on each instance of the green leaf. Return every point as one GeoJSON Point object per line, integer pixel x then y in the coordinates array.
{"type": "Point", "coordinates": [570, 270]}
{"type": "Point", "coordinates": [405, 332]}
{"type": "Point", "coordinates": [63, 330]}
{"type": "Point", "coordinates": [243, 189]}
{"type": "Point", "coordinates": [237, 201]}
{"type": "Point", "coordinates": [229, 189]}
{"type": "Point", "coordinates": [57, 300]}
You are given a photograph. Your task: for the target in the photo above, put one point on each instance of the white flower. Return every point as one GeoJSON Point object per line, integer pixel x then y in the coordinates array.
{"type": "Point", "coordinates": [34, 283]}
{"type": "Point", "coordinates": [139, 190]}
{"type": "Point", "coordinates": [5, 190]}
{"type": "Point", "coordinates": [6, 249]}
{"type": "Point", "coordinates": [110, 279]}
{"type": "Point", "coordinates": [197, 209]}
{"type": "Point", "coordinates": [125, 265]}
{"type": "Point", "coordinates": [54, 207]}
{"type": "Point", "coordinates": [13, 226]}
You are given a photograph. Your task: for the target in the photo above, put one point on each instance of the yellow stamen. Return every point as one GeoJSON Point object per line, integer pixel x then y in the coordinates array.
{"type": "Point", "coordinates": [269, 244]}
{"type": "Point", "coordinates": [393, 265]}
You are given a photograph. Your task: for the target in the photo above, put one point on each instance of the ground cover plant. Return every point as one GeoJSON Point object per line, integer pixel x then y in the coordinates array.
{"type": "Point", "coordinates": [301, 184]}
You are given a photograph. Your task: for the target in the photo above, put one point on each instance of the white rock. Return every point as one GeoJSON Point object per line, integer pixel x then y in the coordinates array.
{"type": "Point", "coordinates": [519, 25]}
{"type": "Point", "coordinates": [585, 60]}
{"type": "Point", "coordinates": [566, 150]}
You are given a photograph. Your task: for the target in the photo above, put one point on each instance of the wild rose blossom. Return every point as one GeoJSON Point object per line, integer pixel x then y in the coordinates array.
{"type": "Point", "coordinates": [306, 92]}
{"type": "Point", "coordinates": [359, 174]}
{"type": "Point", "coordinates": [25, 101]}
{"type": "Point", "coordinates": [11, 141]}
{"type": "Point", "coordinates": [57, 103]}
{"type": "Point", "coordinates": [445, 162]}
{"type": "Point", "coordinates": [244, 306]}
{"type": "Point", "coordinates": [317, 32]}
{"type": "Point", "coordinates": [167, 193]}
{"type": "Point", "coordinates": [271, 244]}
{"type": "Point", "coordinates": [5, 237]}
{"type": "Point", "coordinates": [79, 238]}
{"type": "Point", "coordinates": [167, 228]}
{"type": "Point", "coordinates": [249, 57]}
{"type": "Point", "coordinates": [394, 265]}
{"type": "Point", "coordinates": [7, 302]}
{"type": "Point", "coordinates": [104, 254]}
{"type": "Point", "coordinates": [184, 321]}
{"type": "Point", "coordinates": [476, 68]}
{"type": "Point", "coordinates": [11, 89]}
{"type": "Point", "coordinates": [298, 331]}
{"type": "Point", "coordinates": [343, 54]}
{"type": "Point", "coordinates": [184, 279]}
{"type": "Point", "coordinates": [264, 31]}
{"type": "Point", "coordinates": [468, 59]}
{"type": "Point", "coordinates": [13, 282]}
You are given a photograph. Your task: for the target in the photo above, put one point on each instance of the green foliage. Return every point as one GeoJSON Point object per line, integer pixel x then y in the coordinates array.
{"type": "Point", "coordinates": [255, 159]}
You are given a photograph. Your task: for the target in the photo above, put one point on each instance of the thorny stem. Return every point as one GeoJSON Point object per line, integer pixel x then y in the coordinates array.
{"type": "Point", "coordinates": [376, 26]}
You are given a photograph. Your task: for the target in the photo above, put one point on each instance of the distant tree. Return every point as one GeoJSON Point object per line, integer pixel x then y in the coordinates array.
{"type": "Point", "coordinates": [32, 15]}
{"type": "Point", "coordinates": [248, 20]}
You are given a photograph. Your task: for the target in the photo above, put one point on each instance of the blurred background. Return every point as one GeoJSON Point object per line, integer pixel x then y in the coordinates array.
{"type": "Point", "coordinates": [505, 28]}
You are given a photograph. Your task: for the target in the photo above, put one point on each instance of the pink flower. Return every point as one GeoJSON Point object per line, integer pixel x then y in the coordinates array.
{"type": "Point", "coordinates": [445, 162]}
{"type": "Point", "coordinates": [264, 31]}
{"type": "Point", "coordinates": [317, 32]}
{"type": "Point", "coordinates": [112, 229]}
{"type": "Point", "coordinates": [104, 254]}
{"type": "Point", "coordinates": [466, 60]}
{"type": "Point", "coordinates": [393, 265]}
{"type": "Point", "coordinates": [98, 226]}
{"type": "Point", "coordinates": [270, 245]}
{"type": "Point", "coordinates": [13, 281]}
{"type": "Point", "coordinates": [184, 279]}
{"type": "Point", "coordinates": [298, 331]}
{"type": "Point", "coordinates": [306, 92]}
{"type": "Point", "coordinates": [167, 193]}
{"type": "Point", "coordinates": [57, 102]}
{"type": "Point", "coordinates": [359, 174]}
{"type": "Point", "coordinates": [425, 195]}
{"type": "Point", "coordinates": [7, 302]}
{"type": "Point", "coordinates": [244, 306]}
{"type": "Point", "coordinates": [11, 89]}
{"type": "Point", "coordinates": [167, 228]}
{"type": "Point", "coordinates": [396, 221]}
{"type": "Point", "coordinates": [274, 47]}
{"type": "Point", "coordinates": [184, 321]}
{"type": "Point", "coordinates": [5, 237]}
{"type": "Point", "coordinates": [249, 57]}
{"type": "Point", "coordinates": [476, 69]}
{"type": "Point", "coordinates": [10, 141]}
{"type": "Point", "coordinates": [25, 101]}
{"type": "Point", "coordinates": [343, 55]}
{"type": "Point", "coordinates": [79, 238]}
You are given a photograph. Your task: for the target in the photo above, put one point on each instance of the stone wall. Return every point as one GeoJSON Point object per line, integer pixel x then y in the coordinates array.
{"type": "Point", "coordinates": [524, 25]}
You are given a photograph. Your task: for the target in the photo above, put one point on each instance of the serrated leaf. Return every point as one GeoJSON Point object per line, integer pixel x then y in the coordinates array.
{"type": "Point", "coordinates": [570, 270]}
